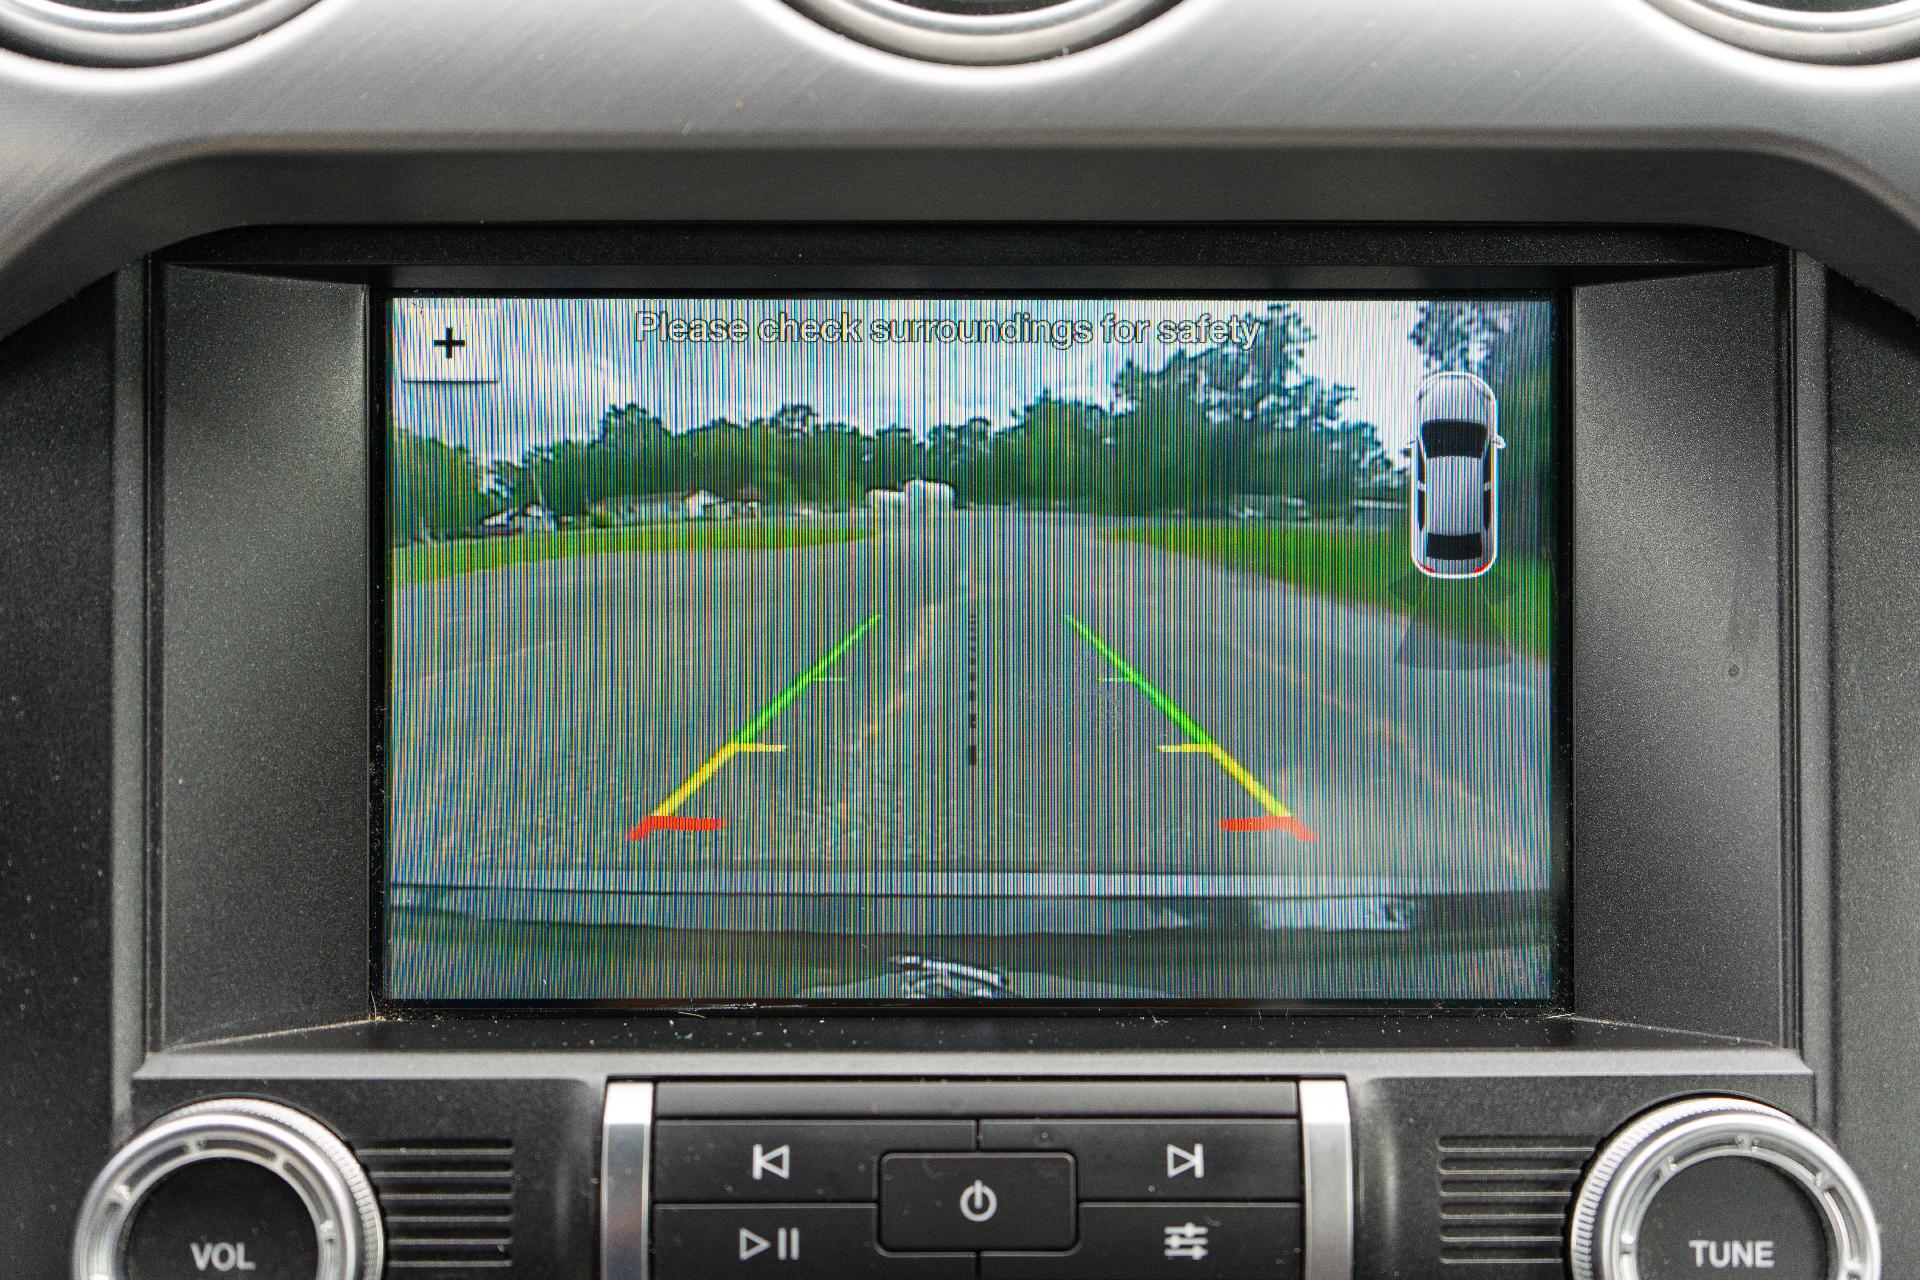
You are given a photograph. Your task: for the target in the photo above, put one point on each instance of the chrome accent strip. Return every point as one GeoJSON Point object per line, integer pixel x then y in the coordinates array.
{"type": "Point", "coordinates": [626, 1180]}
{"type": "Point", "coordinates": [129, 772]}
{"type": "Point", "coordinates": [1326, 1148]}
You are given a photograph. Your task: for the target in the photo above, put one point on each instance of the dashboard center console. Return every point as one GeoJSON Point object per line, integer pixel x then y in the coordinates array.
{"type": "Point", "coordinates": [973, 753]}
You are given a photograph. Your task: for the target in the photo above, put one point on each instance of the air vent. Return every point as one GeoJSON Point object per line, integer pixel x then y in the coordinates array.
{"type": "Point", "coordinates": [136, 33]}
{"type": "Point", "coordinates": [1504, 1203]}
{"type": "Point", "coordinates": [981, 31]}
{"type": "Point", "coordinates": [448, 1206]}
{"type": "Point", "coordinates": [1842, 31]}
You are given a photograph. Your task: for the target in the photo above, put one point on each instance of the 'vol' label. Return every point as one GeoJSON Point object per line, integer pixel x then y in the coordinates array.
{"type": "Point", "coordinates": [225, 1257]}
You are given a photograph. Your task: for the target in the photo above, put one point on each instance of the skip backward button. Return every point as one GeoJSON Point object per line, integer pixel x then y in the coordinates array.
{"type": "Point", "coordinates": [785, 1242]}
{"type": "Point", "coordinates": [787, 1162]}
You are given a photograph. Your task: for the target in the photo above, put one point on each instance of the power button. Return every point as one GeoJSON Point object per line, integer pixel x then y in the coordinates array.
{"type": "Point", "coordinates": [967, 1202]}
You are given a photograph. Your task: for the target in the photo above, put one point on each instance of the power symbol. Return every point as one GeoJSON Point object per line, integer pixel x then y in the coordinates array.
{"type": "Point", "coordinates": [978, 1202]}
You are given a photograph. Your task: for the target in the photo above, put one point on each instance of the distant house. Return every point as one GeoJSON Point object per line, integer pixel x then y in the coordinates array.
{"type": "Point", "coordinates": [518, 520]}
{"type": "Point", "coordinates": [645, 508]}
{"type": "Point", "coordinates": [702, 505]}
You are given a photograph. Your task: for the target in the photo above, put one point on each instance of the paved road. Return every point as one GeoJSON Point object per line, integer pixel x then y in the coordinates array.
{"type": "Point", "coordinates": [972, 746]}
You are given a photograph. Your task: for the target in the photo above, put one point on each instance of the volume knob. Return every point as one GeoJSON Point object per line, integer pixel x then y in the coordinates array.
{"type": "Point", "coordinates": [1722, 1187]}
{"type": "Point", "coordinates": [241, 1188]}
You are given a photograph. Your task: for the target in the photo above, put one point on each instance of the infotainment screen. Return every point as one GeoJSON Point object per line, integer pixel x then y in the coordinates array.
{"type": "Point", "coordinates": [844, 650]}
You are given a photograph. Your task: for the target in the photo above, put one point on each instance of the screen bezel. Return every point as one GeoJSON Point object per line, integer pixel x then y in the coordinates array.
{"type": "Point", "coordinates": [1023, 283]}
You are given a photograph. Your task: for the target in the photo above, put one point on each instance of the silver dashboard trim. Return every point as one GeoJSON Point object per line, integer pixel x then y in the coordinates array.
{"type": "Point", "coordinates": [357, 112]}
{"type": "Point", "coordinates": [626, 1180]}
{"type": "Point", "coordinates": [1326, 1146]}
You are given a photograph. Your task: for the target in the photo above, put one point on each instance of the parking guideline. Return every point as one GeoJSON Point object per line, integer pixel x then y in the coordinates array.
{"type": "Point", "coordinates": [1277, 817]}
{"type": "Point", "coordinates": [665, 816]}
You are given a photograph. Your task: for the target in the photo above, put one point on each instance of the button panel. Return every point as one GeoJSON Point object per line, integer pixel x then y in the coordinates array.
{"type": "Point", "coordinates": [969, 1184]}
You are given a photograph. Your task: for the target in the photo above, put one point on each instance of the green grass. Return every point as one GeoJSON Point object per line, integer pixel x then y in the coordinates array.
{"type": "Point", "coordinates": [427, 561]}
{"type": "Point", "coordinates": [1514, 598]}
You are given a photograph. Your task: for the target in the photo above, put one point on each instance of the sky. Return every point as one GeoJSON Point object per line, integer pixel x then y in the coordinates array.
{"type": "Point", "coordinates": [545, 369]}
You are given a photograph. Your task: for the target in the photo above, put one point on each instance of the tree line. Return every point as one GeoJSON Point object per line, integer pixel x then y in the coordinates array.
{"type": "Point", "coordinates": [1203, 430]}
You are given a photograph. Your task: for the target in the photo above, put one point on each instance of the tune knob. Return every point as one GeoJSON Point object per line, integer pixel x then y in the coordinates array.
{"type": "Point", "coordinates": [1726, 1188]}
{"type": "Point", "coordinates": [236, 1188]}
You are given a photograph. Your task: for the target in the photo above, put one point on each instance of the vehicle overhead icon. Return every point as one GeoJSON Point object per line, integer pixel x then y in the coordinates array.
{"type": "Point", "coordinates": [1454, 498]}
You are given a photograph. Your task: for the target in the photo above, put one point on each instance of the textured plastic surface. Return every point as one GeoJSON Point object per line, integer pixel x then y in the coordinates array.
{"type": "Point", "coordinates": [263, 834]}
{"type": "Point", "coordinates": [56, 501]}
{"type": "Point", "coordinates": [1677, 802]}
{"type": "Point", "coordinates": [1876, 755]}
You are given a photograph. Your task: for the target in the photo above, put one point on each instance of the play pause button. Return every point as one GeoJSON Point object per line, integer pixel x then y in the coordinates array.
{"type": "Point", "coordinates": [785, 1242]}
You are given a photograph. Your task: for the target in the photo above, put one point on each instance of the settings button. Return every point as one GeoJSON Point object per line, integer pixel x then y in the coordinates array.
{"type": "Point", "coordinates": [1201, 1241]}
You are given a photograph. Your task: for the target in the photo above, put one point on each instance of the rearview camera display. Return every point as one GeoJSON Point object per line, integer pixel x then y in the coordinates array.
{"type": "Point", "coordinates": [842, 650]}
